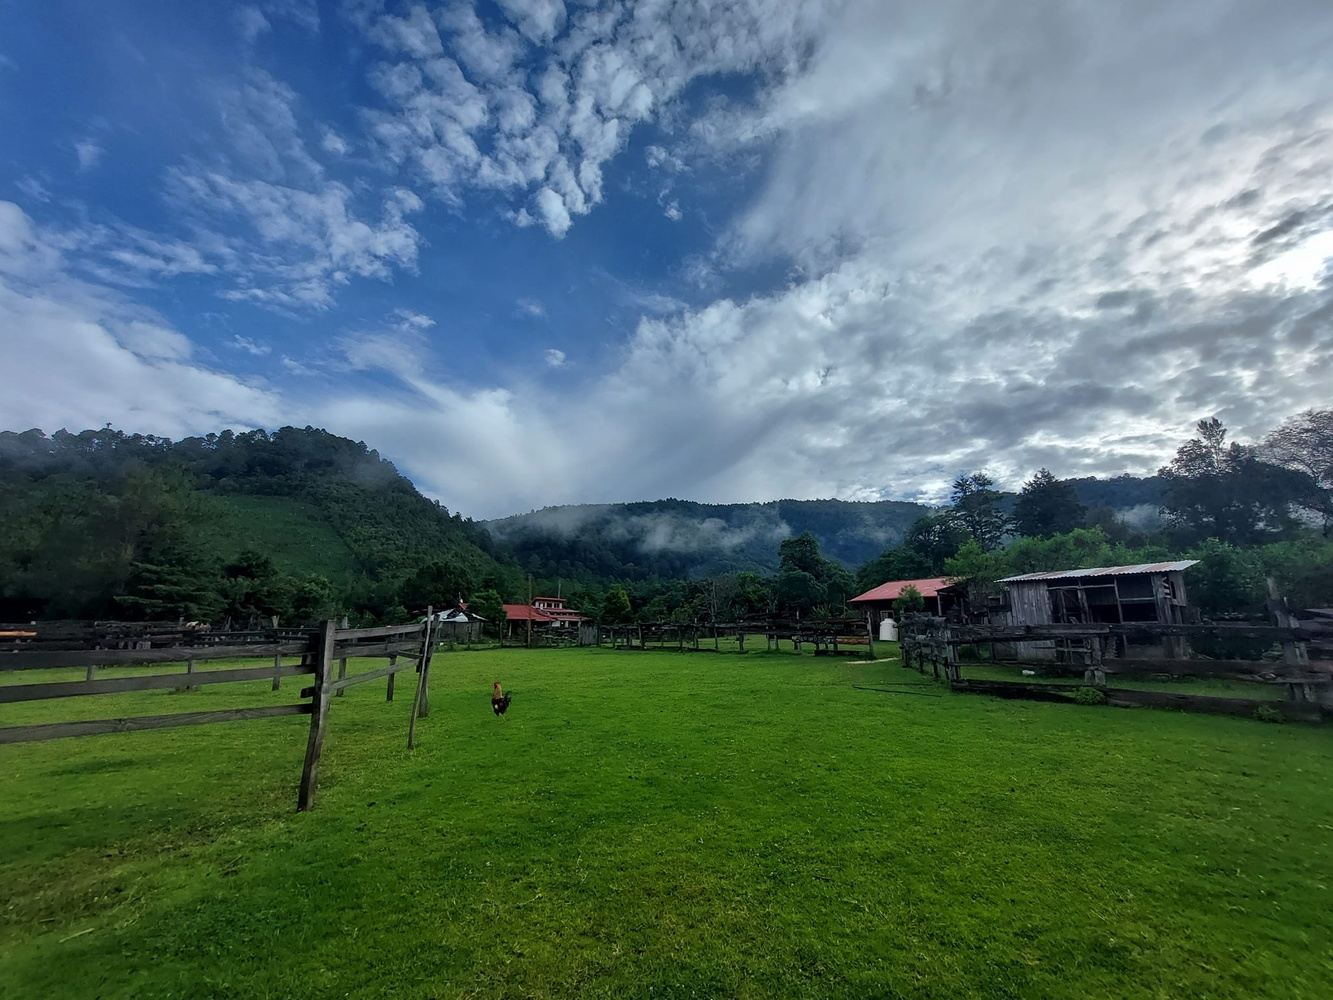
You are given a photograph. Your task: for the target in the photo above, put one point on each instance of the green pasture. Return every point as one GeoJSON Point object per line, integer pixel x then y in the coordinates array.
{"type": "Point", "coordinates": [666, 825]}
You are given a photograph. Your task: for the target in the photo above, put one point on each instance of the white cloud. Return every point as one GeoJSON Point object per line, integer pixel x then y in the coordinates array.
{"type": "Point", "coordinates": [33, 188]}
{"type": "Point", "coordinates": [539, 20]}
{"type": "Point", "coordinates": [151, 340]}
{"type": "Point", "coordinates": [531, 308]}
{"type": "Point", "coordinates": [553, 212]}
{"type": "Point", "coordinates": [408, 320]}
{"type": "Point", "coordinates": [251, 22]}
{"type": "Point", "coordinates": [544, 136]}
{"type": "Point", "coordinates": [555, 358]}
{"type": "Point", "coordinates": [331, 142]}
{"type": "Point", "coordinates": [250, 346]}
{"type": "Point", "coordinates": [83, 355]}
{"type": "Point", "coordinates": [89, 153]}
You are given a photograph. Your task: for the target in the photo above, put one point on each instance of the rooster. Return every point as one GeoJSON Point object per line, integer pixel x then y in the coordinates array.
{"type": "Point", "coordinates": [499, 700]}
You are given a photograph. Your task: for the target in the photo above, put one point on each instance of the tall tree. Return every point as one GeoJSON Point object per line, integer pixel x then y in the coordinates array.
{"type": "Point", "coordinates": [934, 539]}
{"type": "Point", "coordinates": [801, 553]}
{"type": "Point", "coordinates": [1225, 491]}
{"type": "Point", "coordinates": [977, 510]}
{"type": "Point", "coordinates": [1304, 443]}
{"type": "Point", "coordinates": [1047, 506]}
{"type": "Point", "coordinates": [616, 608]}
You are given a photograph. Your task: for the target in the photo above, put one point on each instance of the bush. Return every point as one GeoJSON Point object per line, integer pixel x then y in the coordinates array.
{"type": "Point", "coordinates": [1089, 696]}
{"type": "Point", "coordinates": [1267, 713]}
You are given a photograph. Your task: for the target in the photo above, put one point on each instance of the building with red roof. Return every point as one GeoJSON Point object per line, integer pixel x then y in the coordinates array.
{"type": "Point", "coordinates": [543, 612]}
{"type": "Point", "coordinates": [935, 590]}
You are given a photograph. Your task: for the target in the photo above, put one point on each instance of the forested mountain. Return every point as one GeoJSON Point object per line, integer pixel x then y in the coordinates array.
{"type": "Point", "coordinates": [107, 524]}
{"type": "Point", "coordinates": [681, 539]}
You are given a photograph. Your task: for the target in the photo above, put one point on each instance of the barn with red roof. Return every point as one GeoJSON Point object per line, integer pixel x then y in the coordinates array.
{"type": "Point", "coordinates": [936, 591]}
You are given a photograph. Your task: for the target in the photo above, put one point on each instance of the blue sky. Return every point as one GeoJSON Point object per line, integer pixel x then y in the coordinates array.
{"type": "Point", "coordinates": [542, 252]}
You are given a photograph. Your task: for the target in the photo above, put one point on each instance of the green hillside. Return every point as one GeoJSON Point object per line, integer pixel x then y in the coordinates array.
{"type": "Point", "coordinates": [297, 522]}
{"type": "Point", "coordinates": [295, 533]}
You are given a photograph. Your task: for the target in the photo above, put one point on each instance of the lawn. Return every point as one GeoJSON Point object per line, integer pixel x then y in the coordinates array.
{"type": "Point", "coordinates": [666, 825]}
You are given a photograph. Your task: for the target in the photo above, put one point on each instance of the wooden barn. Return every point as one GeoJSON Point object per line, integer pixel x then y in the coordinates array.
{"type": "Point", "coordinates": [1111, 595]}
{"type": "Point", "coordinates": [938, 593]}
{"type": "Point", "coordinates": [458, 624]}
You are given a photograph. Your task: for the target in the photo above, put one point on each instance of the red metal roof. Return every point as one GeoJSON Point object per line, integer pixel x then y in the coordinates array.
{"type": "Point", "coordinates": [522, 613]}
{"type": "Point", "coordinates": [892, 590]}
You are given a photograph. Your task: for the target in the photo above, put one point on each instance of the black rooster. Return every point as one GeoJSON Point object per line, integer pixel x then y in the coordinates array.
{"type": "Point", "coordinates": [499, 701]}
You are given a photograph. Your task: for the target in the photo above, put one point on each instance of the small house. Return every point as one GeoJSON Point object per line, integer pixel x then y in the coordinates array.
{"type": "Point", "coordinates": [457, 624]}
{"type": "Point", "coordinates": [937, 592]}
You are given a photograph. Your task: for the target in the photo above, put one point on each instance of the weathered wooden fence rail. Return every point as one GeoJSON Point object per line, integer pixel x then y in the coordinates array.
{"type": "Point", "coordinates": [828, 636]}
{"type": "Point", "coordinates": [86, 646]}
{"type": "Point", "coordinates": [1089, 651]}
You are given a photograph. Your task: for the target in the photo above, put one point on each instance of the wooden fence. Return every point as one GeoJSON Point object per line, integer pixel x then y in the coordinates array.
{"type": "Point", "coordinates": [828, 636]}
{"type": "Point", "coordinates": [1091, 651]}
{"type": "Point", "coordinates": [322, 653]}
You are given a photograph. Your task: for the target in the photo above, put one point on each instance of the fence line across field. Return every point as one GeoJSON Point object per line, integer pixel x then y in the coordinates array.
{"type": "Point", "coordinates": [90, 645]}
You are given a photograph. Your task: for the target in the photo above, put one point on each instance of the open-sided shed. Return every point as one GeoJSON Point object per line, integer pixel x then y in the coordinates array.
{"type": "Point", "coordinates": [1112, 595]}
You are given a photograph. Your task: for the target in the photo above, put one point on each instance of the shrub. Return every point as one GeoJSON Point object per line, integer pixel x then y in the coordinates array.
{"type": "Point", "coordinates": [1267, 713]}
{"type": "Point", "coordinates": [1089, 696]}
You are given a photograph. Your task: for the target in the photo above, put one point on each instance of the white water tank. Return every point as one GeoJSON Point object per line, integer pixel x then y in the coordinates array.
{"type": "Point", "coordinates": [888, 630]}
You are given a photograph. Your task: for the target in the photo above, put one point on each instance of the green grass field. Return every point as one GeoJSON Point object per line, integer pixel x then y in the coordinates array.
{"type": "Point", "coordinates": [665, 825]}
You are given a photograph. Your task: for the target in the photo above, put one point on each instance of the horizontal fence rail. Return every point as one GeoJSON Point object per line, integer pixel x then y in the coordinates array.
{"type": "Point", "coordinates": [92, 645]}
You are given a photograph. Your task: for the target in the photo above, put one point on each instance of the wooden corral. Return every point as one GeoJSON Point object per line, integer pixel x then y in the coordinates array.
{"type": "Point", "coordinates": [308, 652]}
{"type": "Point", "coordinates": [1090, 651]}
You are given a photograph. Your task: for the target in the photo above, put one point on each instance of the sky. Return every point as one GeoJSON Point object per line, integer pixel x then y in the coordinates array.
{"type": "Point", "coordinates": [540, 252]}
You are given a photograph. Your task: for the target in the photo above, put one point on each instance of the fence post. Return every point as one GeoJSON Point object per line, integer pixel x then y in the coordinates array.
{"type": "Point", "coordinates": [342, 662]}
{"type": "Point", "coordinates": [423, 668]}
{"type": "Point", "coordinates": [1293, 652]}
{"type": "Point", "coordinates": [393, 662]}
{"type": "Point", "coordinates": [319, 716]}
{"type": "Point", "coordinates": [277, 659]}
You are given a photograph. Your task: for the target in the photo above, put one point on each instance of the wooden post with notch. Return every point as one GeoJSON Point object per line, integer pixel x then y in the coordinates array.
{"type": "Point", "coordinates": [319, 715]}
{"type": "Point", "coordinates": [423, 669]}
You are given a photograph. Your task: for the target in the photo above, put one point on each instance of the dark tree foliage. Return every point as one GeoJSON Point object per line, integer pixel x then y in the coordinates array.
{"type": "Point", "coordinates": [437, 585]}
{"type": "Point", "coordinates": [934, 540]}
{"type": "Point", "coordinates": [807, 581]}
{"type": "Point", "coordinates": [1216, 490]}
{"type": "Point", "coordinates": [487, 604]}
{"type": "Point", "coordinates": [616, 609]}
{"type": "Point", "coordinates": [978, 509]}
{"type": "Point", "coordinates": [909, 601]}
{"type": "Point", "coordinates": [798, 592]}
{"type": "Point", "coordinates": [1047, 506]}
{"type": "Point", "coordinates": [1304, 444]}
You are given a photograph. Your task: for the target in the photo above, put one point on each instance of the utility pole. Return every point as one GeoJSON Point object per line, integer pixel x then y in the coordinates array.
{"type": "Point", "coordinates": [529, 611]}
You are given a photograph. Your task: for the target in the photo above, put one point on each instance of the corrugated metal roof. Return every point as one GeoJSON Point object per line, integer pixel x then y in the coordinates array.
{"type": "Point", "coordinates": [1070, 574]}
{"type": "Point", "coordinates": [891, 591]}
